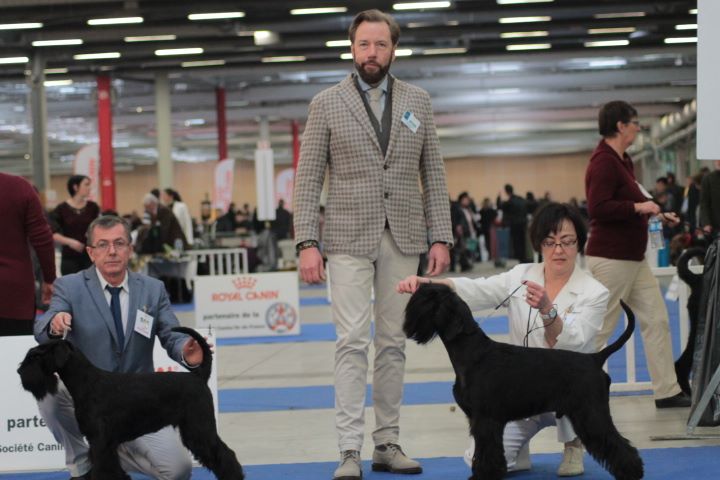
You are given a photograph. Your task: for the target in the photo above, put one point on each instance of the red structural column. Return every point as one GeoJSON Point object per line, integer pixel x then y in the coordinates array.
{"type": "Point", "coordinates": [221, 123]}
{"type": "Point", "coordinates": [295, 143]}
{"type": "Point", "coordinates": [107, 163]}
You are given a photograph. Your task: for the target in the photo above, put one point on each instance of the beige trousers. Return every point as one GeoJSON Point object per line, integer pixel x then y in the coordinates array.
{"type": "Point", "coordinates": [635, 284]}
{"type": "Point", "coordinates": [352, 279]}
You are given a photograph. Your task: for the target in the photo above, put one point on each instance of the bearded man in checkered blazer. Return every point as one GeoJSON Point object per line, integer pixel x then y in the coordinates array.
{"type": "Point", "coordinates": [376, 136]}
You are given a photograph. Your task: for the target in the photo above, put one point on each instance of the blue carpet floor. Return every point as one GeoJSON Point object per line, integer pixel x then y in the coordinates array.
{"type": "Point", "coordinates": [700, 463]}
{"type": "Point", "coordinates": [233, 400]}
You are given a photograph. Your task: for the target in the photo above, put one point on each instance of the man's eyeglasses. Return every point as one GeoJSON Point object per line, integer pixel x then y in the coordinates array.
{"type": "Point", "coordinates": [103, 246]}
{"type": "Point", "coordinates": [564, 243]}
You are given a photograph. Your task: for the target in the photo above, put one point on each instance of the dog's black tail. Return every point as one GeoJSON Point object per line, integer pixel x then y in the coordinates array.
{"type": "Point", "coordinates": [688, 276]}
{"type": "Point", "coordinates": [205, 367]}
{"type": "Point", "coordinates": [603, 354]}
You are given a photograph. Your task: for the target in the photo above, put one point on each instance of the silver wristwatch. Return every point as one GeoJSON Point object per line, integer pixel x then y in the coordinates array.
{"type": "Point", "coordinates": [550, 315]}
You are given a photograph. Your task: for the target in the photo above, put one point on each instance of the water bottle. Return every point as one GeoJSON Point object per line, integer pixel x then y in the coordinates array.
{"type": "Point", "coordinates": [178, 245]}
{"type": "Point", "coordinates": [655, 230]}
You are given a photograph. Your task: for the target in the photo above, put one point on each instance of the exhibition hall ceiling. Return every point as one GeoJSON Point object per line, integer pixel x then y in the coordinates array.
{"type": "Point", "coordinates": [506, 77]}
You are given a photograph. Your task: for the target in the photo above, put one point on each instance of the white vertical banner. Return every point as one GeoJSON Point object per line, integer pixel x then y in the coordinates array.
{"type": "Point", "coordinates": [224, 179]}
{"type": "Point", "coordinates": [87, 162]}
{"type": "Point", "coordinates": [284, 186]}
{"type": "Point", "coordinates": [264, 182]}
{"type": "Point", "coordinates": [708, 71]}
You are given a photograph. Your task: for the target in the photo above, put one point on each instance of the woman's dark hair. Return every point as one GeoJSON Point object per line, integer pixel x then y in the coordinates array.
{"type": "Point", "coordinates": [74, 182]}
{"type": "Point", "coordinates": [549, 219]}
{"type": "Point", "coordinates": [613, 112]}
{"type": "Point", "coordinates": [174, 194]}
{"type": "Point", "coordinates": [375, 15]}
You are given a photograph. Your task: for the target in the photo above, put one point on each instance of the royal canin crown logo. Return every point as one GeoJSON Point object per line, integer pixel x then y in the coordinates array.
{"type": "Point", "coordinates": [244, 282]}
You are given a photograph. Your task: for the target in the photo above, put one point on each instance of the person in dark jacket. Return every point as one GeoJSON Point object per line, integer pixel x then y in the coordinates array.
{"type": "Point", "coordinates": [514, 210]}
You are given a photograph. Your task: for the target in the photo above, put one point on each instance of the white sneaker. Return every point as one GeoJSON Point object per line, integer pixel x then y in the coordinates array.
{"type": "Point", "coordinates": [389, 457]}
{"type": "Point", "coordinates": [349, 468]}
{"type": "Point", "coordinates": [572, 462]}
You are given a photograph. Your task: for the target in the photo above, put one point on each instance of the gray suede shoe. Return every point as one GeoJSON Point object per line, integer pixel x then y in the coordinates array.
{"type": "Point", "coordinates": [349, 468]}
{"type": "Point", "coordinates": [390, 458]}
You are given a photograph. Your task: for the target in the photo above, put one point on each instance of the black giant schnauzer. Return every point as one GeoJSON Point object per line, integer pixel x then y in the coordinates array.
{"type": "Point", "coordinates": [112, 408]}
{"type": "Point", "coordinates": [496, 383]}
{"type": "Point", "coordinates": [683, 365]}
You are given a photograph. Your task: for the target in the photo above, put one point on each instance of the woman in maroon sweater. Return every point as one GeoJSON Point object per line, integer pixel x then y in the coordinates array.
{"type": "Point", "coordinates": [70, 221]}
{"type": "Point", "coordinates": [24, 225]}
{"type": "Point", "coordinates": [619, 209]}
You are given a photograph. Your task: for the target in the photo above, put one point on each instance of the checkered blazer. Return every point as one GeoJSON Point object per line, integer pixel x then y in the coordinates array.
{"type": "Point", "coordinates": [366, 187]}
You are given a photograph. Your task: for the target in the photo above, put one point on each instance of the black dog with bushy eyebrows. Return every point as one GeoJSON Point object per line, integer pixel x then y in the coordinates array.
{"type": "Point", "coordinates": [112, 408]}
{"type": "Point", "coordinates": [496, 383]}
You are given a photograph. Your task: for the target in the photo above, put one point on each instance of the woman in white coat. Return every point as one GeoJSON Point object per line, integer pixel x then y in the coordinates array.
{"type": "Point", "coordinates": [554, 304]}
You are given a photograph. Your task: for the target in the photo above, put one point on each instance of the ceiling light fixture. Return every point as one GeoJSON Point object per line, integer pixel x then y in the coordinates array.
{"type": "Point", "coordinates": [151, 38]}
{"type": "Point", "coordinates": [338, 43]}
{"type": "Point", "coordinates": [316, 11]}
{"type": "Point", "coordinates": [51, 71]}
{"type": "Point", "coordinates": [265, 37]}
{"type": "Point", "coordinates": [514, 2]}
{"type": "Point", "coordinates": [601, 31]}
{"type": "Point", "coordinates": [9, 60]}
{"type": "Point", "coordinates": [403, 52]}
{"type": "Point", "coordinates": [528, 46]}
{"type": "Point", "coordinates": [178, 51]}
{"type": "Point", "coordinates": [215, 15]}
{"type": "Point", "coordinates": [544, 18]}
{"type": "Point", "coordinates": [692, 11]}
{"type": "Point", "coordinates": [536, 33]}
{"type": "Point", "coordinates": [114, 21]}
{"type": "Point", "coordinates": [20, 26]}
{"type": "Point", "coordinates": [681, 40]}
{"type": "Point", "coordinates": [608, 43]}
{"type": "Point", "coordinates": [58, 83]}
{"type": "Point", "coordinates": [96, 56]}
{"type": "Point", "coordinates": [203, 63]}
{"type": "Point", "coordinates": [420, 5]}
{"type": "Point", "coordinates": [346, 56]}
{"type": "Point", "coordinates": [619, 15]}
{"type": "Point", "coordinates": [444, 51]}
{"type": "Point", "coordinates": [289, 58]}
{"type": "Point", "coordinates": [686, 26]}
{"type": "Point", "coordinates": [607, 62]}
{"type": "Point", "coordinates": [57, 43]}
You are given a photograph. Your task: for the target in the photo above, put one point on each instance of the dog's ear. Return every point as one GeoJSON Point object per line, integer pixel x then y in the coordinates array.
{"type": "Point", "coordinates": [61, 353]}
{"type": "Point", "coordinates": [34, 375]}
{"type": "Point", "coordinates": [454, 317]}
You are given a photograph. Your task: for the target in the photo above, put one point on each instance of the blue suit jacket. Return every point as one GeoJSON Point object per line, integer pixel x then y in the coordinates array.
{"type": "Point", "coordinates": [93, 329]}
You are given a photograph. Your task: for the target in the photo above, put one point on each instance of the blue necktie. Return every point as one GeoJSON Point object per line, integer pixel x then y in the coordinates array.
{"type": "Point", "coordinates": [117, 315]}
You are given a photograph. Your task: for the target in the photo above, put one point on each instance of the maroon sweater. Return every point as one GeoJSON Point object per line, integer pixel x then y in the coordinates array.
{"type": "Point", "coordinates": [616, 231]}
{"type": "Point", "coordinates": [23, 224]}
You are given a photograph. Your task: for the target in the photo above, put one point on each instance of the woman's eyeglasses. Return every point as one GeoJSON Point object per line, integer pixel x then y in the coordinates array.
{"type": "Point", "coordinates": [564, 243]}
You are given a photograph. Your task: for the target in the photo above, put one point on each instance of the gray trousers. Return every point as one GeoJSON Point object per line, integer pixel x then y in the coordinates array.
{"type": "Point", "coordinates": [352, 279]}
{"type": "Point", "coordinates": [159, 455]}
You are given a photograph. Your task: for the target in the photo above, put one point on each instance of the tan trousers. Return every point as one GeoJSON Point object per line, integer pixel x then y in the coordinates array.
{"type": "Point", "coordinates": [634, 283]}
{"type": "Point", "coordinates": [352, 279]}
